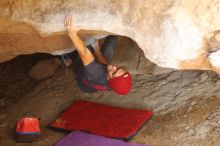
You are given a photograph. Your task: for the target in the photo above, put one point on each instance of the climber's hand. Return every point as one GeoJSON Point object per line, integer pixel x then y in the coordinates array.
{"type": "Point", "coordinates": [69, 25]}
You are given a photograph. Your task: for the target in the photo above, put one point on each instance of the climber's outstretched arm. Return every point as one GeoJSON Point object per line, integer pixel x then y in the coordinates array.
{"type": "Point", "coordinates": [84, 53]}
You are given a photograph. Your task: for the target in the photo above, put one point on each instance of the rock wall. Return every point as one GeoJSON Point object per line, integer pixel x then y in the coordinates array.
{"type": "Point", "coordinates": [171, 33]}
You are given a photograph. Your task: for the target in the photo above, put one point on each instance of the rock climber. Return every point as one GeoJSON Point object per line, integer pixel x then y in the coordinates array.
{"type": "Point", "coordinates": [92, 69]}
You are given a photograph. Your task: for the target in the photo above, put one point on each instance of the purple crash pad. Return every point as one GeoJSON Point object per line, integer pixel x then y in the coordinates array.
{"type": "Point", "coordinates": [83, 139]}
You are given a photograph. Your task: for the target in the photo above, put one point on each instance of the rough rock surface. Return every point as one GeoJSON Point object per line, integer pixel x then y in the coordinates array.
{"type": "Point", "coordinates": [172, 33]}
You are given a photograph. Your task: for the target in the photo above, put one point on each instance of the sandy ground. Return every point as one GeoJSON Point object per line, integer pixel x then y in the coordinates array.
{"type": "Point", "coordinates": [185, 103]}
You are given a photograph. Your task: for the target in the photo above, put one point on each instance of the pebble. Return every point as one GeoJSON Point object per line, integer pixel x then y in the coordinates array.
{"type": "Point", "coordinates": [187, 128]}
{"type": "Point", "coordinates": [193, 103]}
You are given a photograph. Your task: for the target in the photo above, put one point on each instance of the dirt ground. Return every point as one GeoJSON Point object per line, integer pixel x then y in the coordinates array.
{"type": "Point", "coordinates": [185, 103]}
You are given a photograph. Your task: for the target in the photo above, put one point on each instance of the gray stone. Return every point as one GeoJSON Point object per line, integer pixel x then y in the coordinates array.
{"type": "Point", "coordinates": [44, 69]}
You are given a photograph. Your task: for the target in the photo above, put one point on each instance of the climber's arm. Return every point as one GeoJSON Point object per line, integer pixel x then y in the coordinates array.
{"type": "Point", "coordinates": [99, 55]}
{"type": "Point", "coordinates": [84, 53]}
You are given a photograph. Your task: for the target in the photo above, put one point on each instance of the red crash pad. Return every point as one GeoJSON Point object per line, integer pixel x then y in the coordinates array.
{"type": "Point", "coordinates": [99, 119]}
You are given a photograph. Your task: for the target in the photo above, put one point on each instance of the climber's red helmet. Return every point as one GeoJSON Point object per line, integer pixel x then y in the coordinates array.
{"type": "Point", "coordinates": [119, 80]}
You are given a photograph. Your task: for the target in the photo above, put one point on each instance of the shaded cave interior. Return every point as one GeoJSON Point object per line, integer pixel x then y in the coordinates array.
{"type": "Point", "coordinates": [15, 79]}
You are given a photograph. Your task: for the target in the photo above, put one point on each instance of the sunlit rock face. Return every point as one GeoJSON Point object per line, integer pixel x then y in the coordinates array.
{"type": "Point", "coordinates": [171, 33]}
